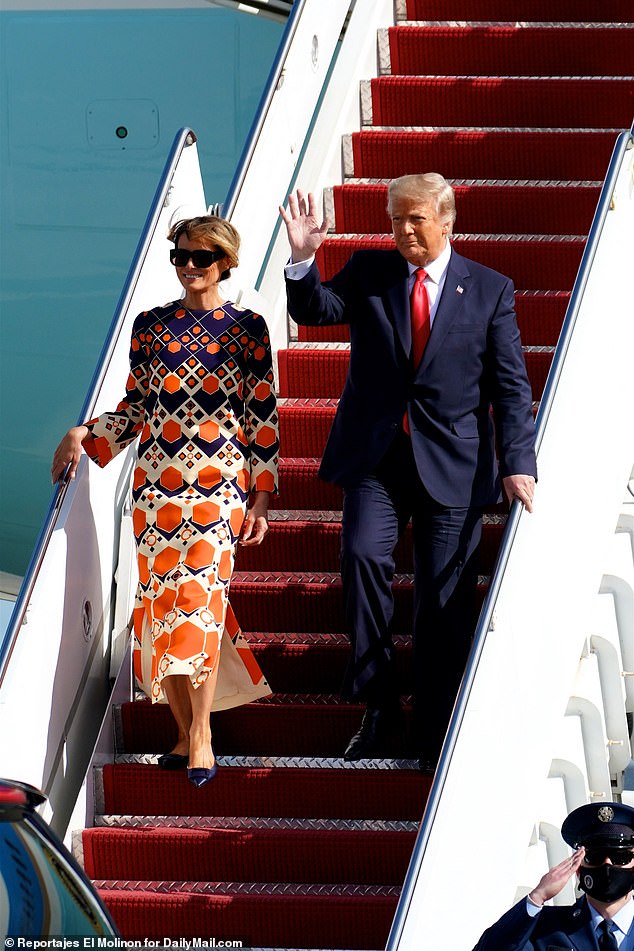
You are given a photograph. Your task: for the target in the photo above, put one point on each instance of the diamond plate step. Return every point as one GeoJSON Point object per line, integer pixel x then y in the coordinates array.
{"type": "Point", "coordinates": [482, 208]}
{"type": "Point", "coordinates": [303, 602]}
{"type": "Point", "coordinates": [314, 545]}
{"type": "Point", "coordinates": [313, 728]}
{"type": "Point", "coordinates": [485, 154]}
{"type": "Point", "coordinates": [255, 855]}
{"type": "Point", "coordinates": [265, 793]}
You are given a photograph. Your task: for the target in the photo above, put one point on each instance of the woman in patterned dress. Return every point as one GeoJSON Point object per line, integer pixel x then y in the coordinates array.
{"type": "Point", "coordinates": [201, 395]}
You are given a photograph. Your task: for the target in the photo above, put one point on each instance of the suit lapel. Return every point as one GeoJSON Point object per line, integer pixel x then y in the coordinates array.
{"type": "Point", "coordinates": [580, 929]}
{"type": "Point", "coordinates": [451, 302]}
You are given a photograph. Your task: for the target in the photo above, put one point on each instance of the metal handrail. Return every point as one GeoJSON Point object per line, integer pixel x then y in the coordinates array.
{"type": "Point", "coordinates": [624, 141]}
{"type": "Point", "coordinates": [183, 138]}
{"type": "Point", "coordinates": [272, 9]}
{"type": "Point", "coordinates": [272, 83]}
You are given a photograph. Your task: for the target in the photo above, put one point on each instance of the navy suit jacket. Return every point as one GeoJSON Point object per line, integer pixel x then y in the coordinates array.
{"type": "Point", "coordinates": [473, 361]}
{"type": "Point", "coordinates": [566, 928]}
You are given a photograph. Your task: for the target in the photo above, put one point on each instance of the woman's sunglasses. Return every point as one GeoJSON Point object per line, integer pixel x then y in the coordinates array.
{"type": "Point", "coordinates": [616, 856]}
{"type": "Point", "coordinates": [201, 258]}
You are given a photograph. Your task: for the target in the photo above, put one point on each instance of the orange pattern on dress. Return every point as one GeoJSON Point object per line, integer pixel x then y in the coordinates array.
{"type": "Point", "coordinates": [200, 395]}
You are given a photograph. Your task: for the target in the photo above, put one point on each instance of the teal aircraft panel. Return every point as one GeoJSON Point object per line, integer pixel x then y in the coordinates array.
{"type": "Point", "coordinates": [90, 104]}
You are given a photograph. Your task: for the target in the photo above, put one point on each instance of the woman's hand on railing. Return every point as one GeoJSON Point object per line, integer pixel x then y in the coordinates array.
{"type": "Point", "coordinates": [68, 453]}
{"type": "Point", "coordinates": [305, 234]}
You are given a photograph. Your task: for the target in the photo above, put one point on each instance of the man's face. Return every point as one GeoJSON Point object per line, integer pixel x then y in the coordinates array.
{"type": "Point", "coordinates": [420, 235]}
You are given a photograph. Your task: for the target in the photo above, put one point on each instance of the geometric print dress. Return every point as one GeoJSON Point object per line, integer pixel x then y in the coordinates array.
{"type": "Point", "coordinates": [201, 396]}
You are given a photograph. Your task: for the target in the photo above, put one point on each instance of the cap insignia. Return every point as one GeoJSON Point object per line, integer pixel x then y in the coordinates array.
{"type": "Point", "coordinates": [605, 814]}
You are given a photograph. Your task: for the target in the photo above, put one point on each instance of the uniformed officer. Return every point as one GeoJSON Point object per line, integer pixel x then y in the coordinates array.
{"type": "Point", "coordinates": [602, 835]}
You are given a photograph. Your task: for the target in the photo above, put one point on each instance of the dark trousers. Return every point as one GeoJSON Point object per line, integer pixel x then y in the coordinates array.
{"type": "Point", "coordinates": [375, 514]}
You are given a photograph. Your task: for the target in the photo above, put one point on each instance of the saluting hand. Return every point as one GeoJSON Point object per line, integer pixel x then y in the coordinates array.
{"type": "Point", "coordinates": [553, 881]}
{"type": "Point", "coordinates": [305, 234]}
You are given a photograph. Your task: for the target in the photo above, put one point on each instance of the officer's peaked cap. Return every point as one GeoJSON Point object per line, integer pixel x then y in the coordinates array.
{"type": "Point", "coordinates": [600, 823]}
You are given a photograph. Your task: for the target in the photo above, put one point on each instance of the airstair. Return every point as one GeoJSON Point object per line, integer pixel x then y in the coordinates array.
{"type": "Point", "coordinates": [290, 847]}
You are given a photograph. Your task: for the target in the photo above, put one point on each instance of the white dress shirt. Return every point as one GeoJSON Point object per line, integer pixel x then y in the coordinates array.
{"type": "Point", "coordinates": [621, 923]}
{"type": "Point", "coordinates": [435, 281]}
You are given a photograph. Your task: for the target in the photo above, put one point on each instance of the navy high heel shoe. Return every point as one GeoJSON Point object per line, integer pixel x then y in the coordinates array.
{"type": "Point", "coordinates": [200, 776]}
{"type": "Point", "coordinates": [172, 761]}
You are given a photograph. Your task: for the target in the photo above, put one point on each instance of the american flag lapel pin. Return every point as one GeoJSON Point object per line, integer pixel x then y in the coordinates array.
{"type": "Point", "coordinates": [459, 289]}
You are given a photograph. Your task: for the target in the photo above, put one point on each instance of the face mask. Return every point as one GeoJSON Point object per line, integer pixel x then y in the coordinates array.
{"type": "Point", "coordinates": [606, 882]}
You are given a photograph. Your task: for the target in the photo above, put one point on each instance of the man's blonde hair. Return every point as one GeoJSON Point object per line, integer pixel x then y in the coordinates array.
{"type": "Point", "coordinates": [430, 188]}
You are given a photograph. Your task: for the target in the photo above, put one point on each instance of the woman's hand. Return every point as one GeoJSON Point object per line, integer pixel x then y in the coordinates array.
{"type": "Point", "coordinates": [255, 525]}
{"type": "Point", "coordinates": [305, 234]}
{"type": "Point", "coordinates": [68, 453]}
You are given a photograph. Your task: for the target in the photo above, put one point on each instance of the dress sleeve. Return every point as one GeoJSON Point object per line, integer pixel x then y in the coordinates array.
{"type": "Point", "coordinates": [260, 410]}
{"type": "Point", "coordinates": [111, 432]}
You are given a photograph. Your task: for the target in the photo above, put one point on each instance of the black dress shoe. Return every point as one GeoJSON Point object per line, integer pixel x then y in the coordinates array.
{"type": "Point", "coordinates": [377, 723]}
{"type": "Point", "coordinates": [172, 761]}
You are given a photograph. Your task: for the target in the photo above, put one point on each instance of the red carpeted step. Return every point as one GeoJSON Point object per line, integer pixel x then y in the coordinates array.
{"type": "Point", "coordinates": [333, 334]}
{"type": "Point", "coordinates": [537, 10]}
{"type": "Point", "coordinates": [269, 728]}
{"type": "Point", "coordinates": [532, 264]}
{"type": "Point", "coordinates": [273, 921]}
{"type": "Point", "coordinates": [131, 789]}
{"type": "Point", "coordinates": [484, 154]}
{"type": "Point", "coordinates": [325, 378]}
{"type": "Point", "coordinates": [510, 51]}
{"type": "Point", "coordinates": [249, 855]}
{"type": "Point", "coordinates": [304, 427]}
{"type": "Point", "coordinates": [540, 315]}
{"type": "Point", "coordinates": [294, 603]}
{"type": "Point", "coordinates": [316, 665]}
{"type": "Point", "coordinates": [323, 372]}
{"type": "Point", "coordinates": [284, 725]}
{"type": "Point", "coordinates": [481, 209]}
{"type": "Point", "coordinates": [300, 488]}
{"type": "Point", "coordinates": [493, 101]}
{"type": "Point", "coordinates": [303, 603]}
{"type": "Point", "coordinates": [295, 545]}
{"type": "Point", "coordinates": [298, 546]}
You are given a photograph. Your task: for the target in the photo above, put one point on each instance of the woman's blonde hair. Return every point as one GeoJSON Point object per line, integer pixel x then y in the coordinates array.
{"type": "Point", "coordinates": [212, 232]}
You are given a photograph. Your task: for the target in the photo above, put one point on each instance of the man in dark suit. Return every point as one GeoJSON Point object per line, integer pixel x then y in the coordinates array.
{"type": "Point", "coordinates": [603, 835]}
{"type": "Point", "coordinates": [413, 438]}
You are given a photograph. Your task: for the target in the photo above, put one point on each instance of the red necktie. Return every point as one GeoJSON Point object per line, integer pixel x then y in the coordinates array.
{"type": "Point", "coordinates": [419, 313]}
{"type": "Point", "coordinates": [421, 327]}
